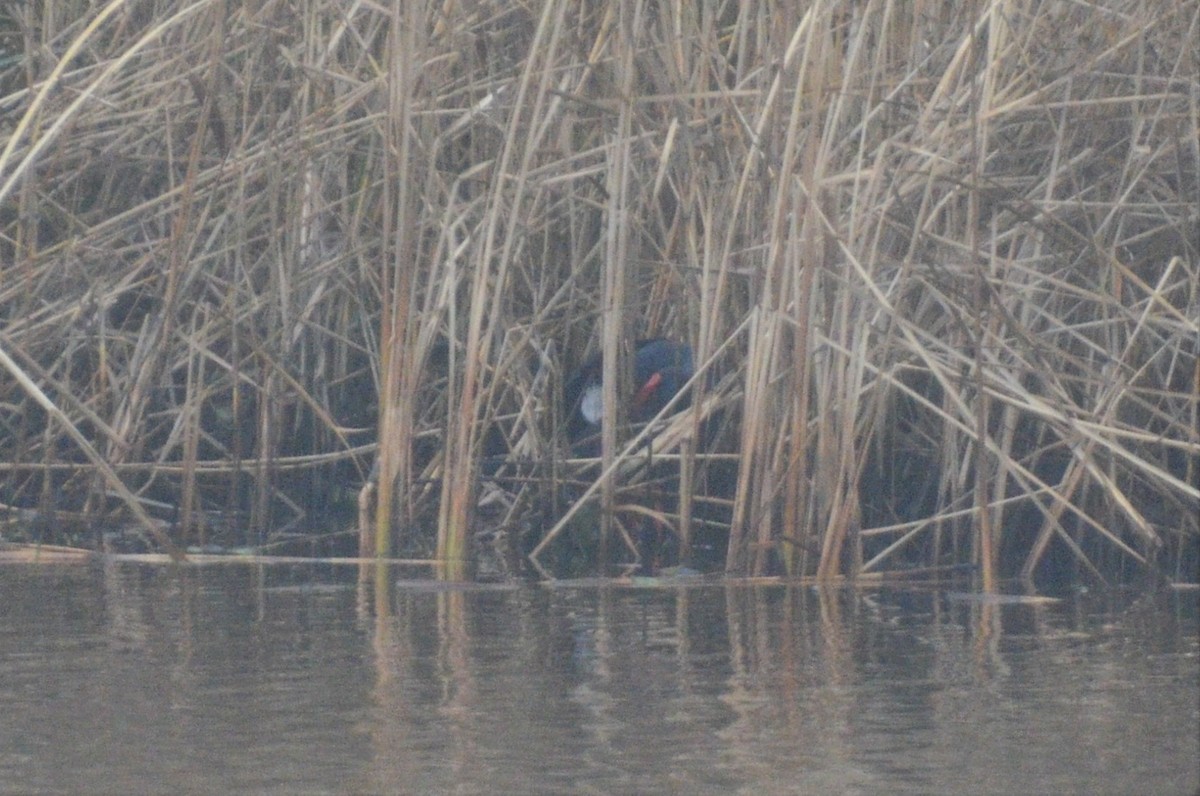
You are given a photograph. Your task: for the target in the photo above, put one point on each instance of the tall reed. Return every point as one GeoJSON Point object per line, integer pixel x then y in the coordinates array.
{"type": "Point", "coordinates": [938, 264]}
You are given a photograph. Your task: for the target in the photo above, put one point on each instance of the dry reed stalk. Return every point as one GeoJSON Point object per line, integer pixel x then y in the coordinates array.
{"type": "Point", "coordinates": [494, 249]}
{"type": "Point", "coordinates": [965, 240]}
{"type": "Point", "coordinates": [397, 360]}
{"type": "Point", "coordinates": [615, 378]}
{"type": "Point", "coordinates": [115, 483]}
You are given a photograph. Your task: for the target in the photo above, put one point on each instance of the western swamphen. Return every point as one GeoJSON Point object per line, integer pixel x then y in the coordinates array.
{"type": "Point", "coordinates": [660, 369]}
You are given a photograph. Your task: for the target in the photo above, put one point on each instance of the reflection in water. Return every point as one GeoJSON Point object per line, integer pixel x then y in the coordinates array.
{"type": "Point", "coordinates": [132, 678]}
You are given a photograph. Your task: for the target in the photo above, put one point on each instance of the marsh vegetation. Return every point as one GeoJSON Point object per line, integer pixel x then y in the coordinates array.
{"type": "Point", "coordinates": [938, 264]}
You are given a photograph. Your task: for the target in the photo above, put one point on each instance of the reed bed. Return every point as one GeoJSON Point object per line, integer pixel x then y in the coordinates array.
{"type": "Point", "coordinates": [938, 263]}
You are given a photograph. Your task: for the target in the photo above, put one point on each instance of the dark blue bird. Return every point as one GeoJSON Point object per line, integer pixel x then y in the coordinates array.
{"type": "Point", "coordinates": [660, 369]}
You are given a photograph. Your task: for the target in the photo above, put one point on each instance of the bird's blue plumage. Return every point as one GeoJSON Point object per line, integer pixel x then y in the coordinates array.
{"type": "Point", "coordinates": [660, 369]}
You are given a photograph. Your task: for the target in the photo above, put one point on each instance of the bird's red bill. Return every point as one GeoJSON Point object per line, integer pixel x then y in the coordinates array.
{"type": "Point", "coordinates": [647, 390]}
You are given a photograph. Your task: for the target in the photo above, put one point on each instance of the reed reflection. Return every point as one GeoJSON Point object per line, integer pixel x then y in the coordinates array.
{"type": "Point", "coordinates": [712, 681]}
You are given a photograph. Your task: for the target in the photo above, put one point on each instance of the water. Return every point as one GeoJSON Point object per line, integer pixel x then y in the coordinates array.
{"type": "Point", "coordinates": [144, 679]}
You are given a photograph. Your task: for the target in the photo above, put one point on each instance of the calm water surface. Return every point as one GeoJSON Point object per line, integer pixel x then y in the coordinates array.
{"type": "Point", "coordinates": [133, 678]}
